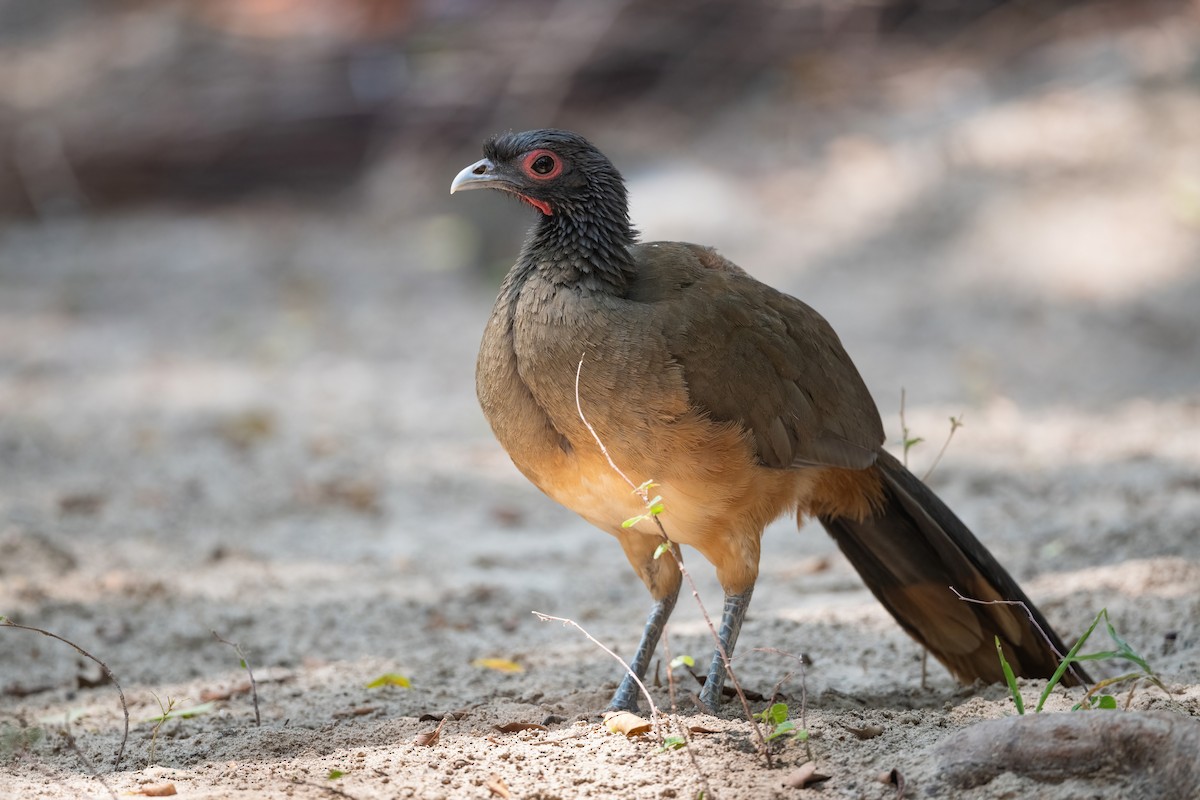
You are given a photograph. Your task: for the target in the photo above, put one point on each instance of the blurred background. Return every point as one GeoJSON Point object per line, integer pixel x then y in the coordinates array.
{"type": "Point", "coordinates": [1046, 150]}
{"type": "Point", "coordinates": [239, 310]}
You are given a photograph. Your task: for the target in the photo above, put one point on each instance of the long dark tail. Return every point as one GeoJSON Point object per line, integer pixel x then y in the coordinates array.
{"type": "Point", "coordinates": [912, 550]}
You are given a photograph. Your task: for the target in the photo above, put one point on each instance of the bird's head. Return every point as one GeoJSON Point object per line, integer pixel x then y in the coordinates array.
{"type": "Point", "coordinates": [557, 172]}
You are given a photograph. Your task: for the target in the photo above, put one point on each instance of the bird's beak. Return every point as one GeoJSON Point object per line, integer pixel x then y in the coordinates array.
{"type": "Point", "coordinates": [480, 175]}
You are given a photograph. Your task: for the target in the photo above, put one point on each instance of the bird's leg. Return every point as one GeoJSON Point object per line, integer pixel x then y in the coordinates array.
{"type": "Point", "coordinates": [731, 625]}
{"type": "Point", "coordinates": [626, 697]}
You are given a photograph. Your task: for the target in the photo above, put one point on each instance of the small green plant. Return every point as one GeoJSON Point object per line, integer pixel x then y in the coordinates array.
{"type": "Point", "coordinates": [169, 712]}
{"type": "Point", "coordinates": [245, 663]}
{"type": "Point", "coordinates": [654, 505]}
{"type": "Point", "coordinates": [18, 739]}
{"type": "Point", "coordinates": [907, 440]}
{"type": "Point", "coordinates": [1091, 699]}
{"type": "Point", "coordinates": [778, 724]}
{"type": "Point", "coordinates": [678, 741]}
{"type": "Point", "coordinates": [166, 709]}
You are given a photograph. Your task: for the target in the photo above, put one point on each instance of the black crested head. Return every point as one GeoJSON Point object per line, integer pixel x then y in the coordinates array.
{"type": "Point", "coordinates": [583, 228]}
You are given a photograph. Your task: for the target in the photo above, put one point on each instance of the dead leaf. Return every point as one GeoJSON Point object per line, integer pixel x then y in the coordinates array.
{"type": "Point", "coordinates": [498, 664]}
{"type": "Point", "coordinates": [498, 787]}
{"type": "Point", "coordinates": [508, 516]}
{"type": "Point", "coordinates": [456, 714]}
{"type": "Point", "coordinates": [809, 566]}
{"type": "Point", "coordinates": [354, 494]}
{"type": "Point", "coordinates": [627, 723]}
{"type": "Point", "coordinates": [804, 776]}
{"type": "Point", "coordinates": [516, 727]}
{"type": "Point", "coordinates": [85, 504]}
{"type": "Point", "coordinates": [361, 711]}
{"type": "Point", "coordinates": [893, 777]}
{"type": "Point", "coordinates": [245, 429]}
{"type": "Point", "coordinates": [210, 695]}
{"type": "Point", "coordinates": [158, 790]}
{"type": "Point", "coordinates": [865, 732]}
{"type": "Point", "coordinates": [268, 676]}
{"type": "Point", "coordinates": [430, 738]}
{"type": "Point", "coordinates": [701, 729]}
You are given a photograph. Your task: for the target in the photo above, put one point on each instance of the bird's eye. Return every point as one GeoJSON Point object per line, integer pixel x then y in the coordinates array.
{"type": "Point", "coordinates": [542, 165]}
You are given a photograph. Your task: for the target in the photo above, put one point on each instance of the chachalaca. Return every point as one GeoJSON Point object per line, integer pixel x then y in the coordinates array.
{"type": "Point", "coordinates": [737, 400]}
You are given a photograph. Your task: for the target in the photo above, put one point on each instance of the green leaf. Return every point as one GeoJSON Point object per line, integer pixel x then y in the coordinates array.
{"type": "Point", "coordinates": [662, 548]}
{"type": "Point", "coordinates": [782, 729]}
{"type": "Point", "coordinates": [629, 523]}
{"type": "Point", "coordinates": [1127, 652]}
{"type": "Point", "coordinates": [390, 679]}
{"type": "Point", "coordinates": [1107, 701]}
{"type": "Point", "coordinates": [673, 743]}
{"type": "Point", "coordinates": [334, 774]}
{"type": "Point", "coordinates": [1010, 678]}
{"type": "Point", "coordinates": [1067, 661]}
{"type": "Point", "coordinates": [774, 715]}
{"type": "Point", "coordinates": [679, 661]}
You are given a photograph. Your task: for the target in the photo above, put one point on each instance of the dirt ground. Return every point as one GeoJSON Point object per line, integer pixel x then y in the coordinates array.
{"type": "Point", "coordinates": [261, 422]}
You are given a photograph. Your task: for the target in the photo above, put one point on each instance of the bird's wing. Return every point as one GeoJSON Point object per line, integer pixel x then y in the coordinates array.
{"type": "Point", "coordinates": [755, 356]}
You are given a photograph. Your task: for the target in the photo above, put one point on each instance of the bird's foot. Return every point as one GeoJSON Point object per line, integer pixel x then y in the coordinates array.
{"type": "Point", "coordinates": [709, 702]}
{"type": "Point", "coordinates": [625, 698]}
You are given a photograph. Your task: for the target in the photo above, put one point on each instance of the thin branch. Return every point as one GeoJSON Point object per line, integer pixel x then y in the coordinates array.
{"type": "Point", "coordinates": [729, 671]}
{"type": "Point", "coordinates": [955, 424]}
{"type": "Point", "coordinates": [628, 669]}
{"type": "Point", "coordinates": [8, 623]}
{"type": "Point", "coordinates": [237, 648]}
{"type": "Point", "coordinates": [705, 789]}
{"type": "Point", "coordinates": [1032, 621]}
{"type": "Point", "coordinates": [333, 790]}
{"type": "Point", "coordinates": [87, 764]}
{"type": "Point", "coordinates": [644, 492]}
{"type": "Point", "coordinates": [803, 687]}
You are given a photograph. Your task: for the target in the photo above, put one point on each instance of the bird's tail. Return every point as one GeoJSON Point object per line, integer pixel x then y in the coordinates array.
{"type": "Point", "coordinates": [912, 552]}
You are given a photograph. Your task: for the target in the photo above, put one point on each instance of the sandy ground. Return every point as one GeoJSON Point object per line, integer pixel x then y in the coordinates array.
{"type": "Point", "coordinates": [261, 422]}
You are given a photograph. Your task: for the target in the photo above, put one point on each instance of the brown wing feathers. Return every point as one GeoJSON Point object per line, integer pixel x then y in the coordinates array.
{"type": "Point", "coordinates": [912, 550]}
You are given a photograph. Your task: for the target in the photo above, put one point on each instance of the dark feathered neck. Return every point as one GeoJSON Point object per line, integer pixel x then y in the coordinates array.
{"type": "Point", "coordinates": [584, 244]}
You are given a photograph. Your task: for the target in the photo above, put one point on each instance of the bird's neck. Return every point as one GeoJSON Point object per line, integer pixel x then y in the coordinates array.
{"type": "Point", "coordinates": [590, 252]}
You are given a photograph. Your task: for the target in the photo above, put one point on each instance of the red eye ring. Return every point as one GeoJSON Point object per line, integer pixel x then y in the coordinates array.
{"type": "Point", "coordinates": [542, 165]}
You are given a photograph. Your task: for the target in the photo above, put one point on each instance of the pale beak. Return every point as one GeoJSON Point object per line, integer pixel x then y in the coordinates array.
{"type": "Point", "coordinates": [480, 175]}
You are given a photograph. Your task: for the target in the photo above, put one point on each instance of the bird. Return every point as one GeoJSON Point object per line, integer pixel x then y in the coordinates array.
{"type": "Point", "coordinates": [609, 362]}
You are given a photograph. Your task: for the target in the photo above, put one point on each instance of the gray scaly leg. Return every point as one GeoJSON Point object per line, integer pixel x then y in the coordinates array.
{"type": "Point", "coordinates": [731, 625]}
{"type": "Point", "coordinates": [626, 697]}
